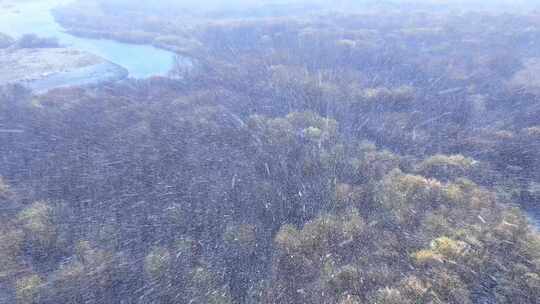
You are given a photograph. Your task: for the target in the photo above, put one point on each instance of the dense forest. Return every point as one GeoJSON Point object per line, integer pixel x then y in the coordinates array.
{"type": "Point", "coordinates": [381, 157]}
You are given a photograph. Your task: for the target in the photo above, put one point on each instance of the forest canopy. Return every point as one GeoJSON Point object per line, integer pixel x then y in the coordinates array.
{"type": "Point", "coordinates": [375, 157]}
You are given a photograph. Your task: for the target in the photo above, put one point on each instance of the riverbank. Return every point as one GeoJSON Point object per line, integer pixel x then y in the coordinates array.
{"type": "Point", "coordinates": [48, 68]}
{"type": "Point", "coordinates": [22, 17]}
{"type": "Point", "coordinates": [90, 20]}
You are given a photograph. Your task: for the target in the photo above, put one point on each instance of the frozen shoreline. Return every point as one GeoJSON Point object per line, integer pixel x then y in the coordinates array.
{"type": "Point", "coordinates": [48, 68]}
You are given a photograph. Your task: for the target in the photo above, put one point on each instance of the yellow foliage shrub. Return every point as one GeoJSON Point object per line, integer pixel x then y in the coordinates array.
{"type": "Point", "coordinates": [448, 247]}
{"type": "Point", "coordinates": [27, 289]}
{"type": "Point", "coordinates": [426, 257]}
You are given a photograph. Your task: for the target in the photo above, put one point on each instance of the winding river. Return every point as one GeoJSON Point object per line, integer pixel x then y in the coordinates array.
{"type": "Point", "coordinates": [23, 17]}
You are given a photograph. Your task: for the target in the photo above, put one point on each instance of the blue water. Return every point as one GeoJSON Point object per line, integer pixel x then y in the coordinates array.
{"type": "Point", "coordinates": [141, 61]}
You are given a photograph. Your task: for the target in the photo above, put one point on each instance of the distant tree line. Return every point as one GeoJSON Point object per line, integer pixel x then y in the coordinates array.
{"type": "Point", "coordinates": [27, 41]}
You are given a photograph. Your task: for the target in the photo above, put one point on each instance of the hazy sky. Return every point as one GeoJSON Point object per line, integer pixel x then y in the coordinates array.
{"type": "Point", "coordinates": [352, 4]}
{"type": "Point", "coordinates": [346, 5]}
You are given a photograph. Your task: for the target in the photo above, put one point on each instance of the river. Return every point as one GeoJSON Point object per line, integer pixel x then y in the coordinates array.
{"type": "Point", "coordinates": [24, 17]}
